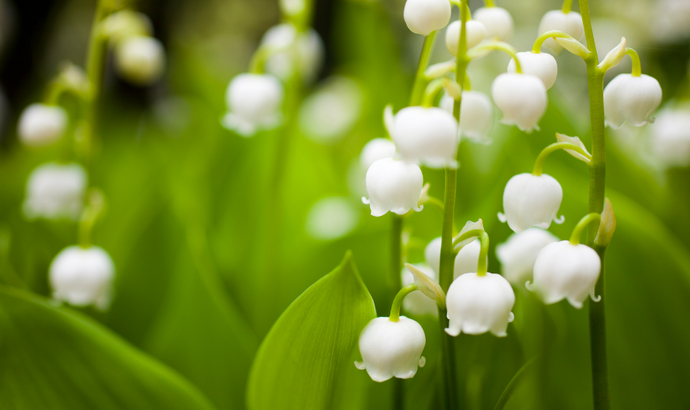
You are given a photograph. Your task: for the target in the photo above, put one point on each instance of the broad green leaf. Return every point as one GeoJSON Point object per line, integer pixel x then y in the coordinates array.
{"type": "Point", "coordinates": [53, 358]}
{"type": "Point", "coordinates": [310, 347]}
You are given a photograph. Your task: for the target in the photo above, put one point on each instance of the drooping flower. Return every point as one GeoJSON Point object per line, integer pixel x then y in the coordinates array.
{"type": "Point", "coordinates": [140, 59]}
{"type": "Point", "coordinates": [393, 185]}
{"type": "Point", "coordinates": [465, 261]}
{"type": "Point", "coordinates": [497, 20]}
{"type": "Point", "coordinates": [292, 50]}
{"type": "Point", "coordinates": [55, 191]}
{"type": "Point", "coordinates": [424, 16]}
{"type": "Point", "coordinates": [531, 200]}
{"type": "Point", "coordinates": [521, 98]}
{"type": "Point", "coordinates": [41, 124]}
{"type": "Point", "coordinates": [476, 115]}
{"type": "Point", "coordinates": [670, 136]}
{"type": "Point", "coordinates": [417, 303]}
{"type": "Point", "coordinates": [82, 276]}
{"type": "Point", "coordinates": [569, 23]}
{"type": "Point", "coordinates": [566, 271]}
{"type": "Point", "coordinates": [391, 349]}
{"type": "Point", "coordinates": [476, 32]}
{"type": "Point", "coordinates": [631, 98]}
{"type": "Point", "coordinates": [518, 254]}
{"type": "Point", "coordinates": [254, 102]}
{"type": "Point", "coordinates": [541, 65]}
{"type": "Point", "coordinates": [374, 150]}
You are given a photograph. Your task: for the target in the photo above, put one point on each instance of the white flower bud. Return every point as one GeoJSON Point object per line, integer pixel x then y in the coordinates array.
{"type": "Point", "coordinates": [374, 150]}
{"type": "Point", "coordinates": [479, 304]}
{"type": "Point", "coordinates": [417, 303]}
{"type": "Point", "coordinates": [632, 99]}
{"type": "Point", "coordinates": [569, 23]}
{"type": "Point", "coordinates": [476, 115]}
{"type": "Point", "coordinates": [566, 271]}
{"type": "Point", "coordinates": [541, 65]}
{"type": "Point", "coordinates": [466, 260]}
{"type": "Point", "coordinates": [140, 59]}
{"type": "Point", "coordinates": [287, 45]}
{"type": "Point", "coordinates": [670, 139]}
{"type": "Point", "coordinates": [424, 16]}
{"type": "Point", "coordinates": [425, 135]}
{"type": "Point", "coordinates": [41, 124]}
{"type": "Point", "coordinates": [531, 200]}
{"type": "Point", "coordinates": [498, 22]}
{"type": "Point", "coordinates": [254, 102]}
{"type": "Point", "coordinates": [476, 32]}
{"type": "Point", "coordinates": [518, 253]}
{"type": "Point", "coordinates": [82, 276]}
{"type": "Point", "coordinates": [55, 191]}
{"type": "Point", "coordinates": [391, 349]}
{"type": "Point", "coordinates": [393, 185]}
{"type": "Point", "coordinates": [521, 98]}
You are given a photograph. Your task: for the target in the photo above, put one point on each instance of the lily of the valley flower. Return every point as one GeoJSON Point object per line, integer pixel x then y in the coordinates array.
{"type": "Point", "coordinates": [254, 102]}
{"type": "Point", "coordinates": [531, 200]}
{"type": "Point", "coordinates": [417, 303]}
{"type": "Point", "coordinates": [541, 65]}
{"type": "Point", "coordinates": [497, 20]}
{"type": "Point", "coordinates": [476, 32]}
{"type": "Point", "coordinates": [55, 191]}
{"type": "Point", "coordinates": [424, 16]}
{"type": "Point", "coordinates": [140, 59]}
{"type": "Point", "coordinates": [521, 98]}
{"type": "Point", "coordinates": [393, 185]}
{"type": "Point", "coordinates": [374, 150]}
{"type": "Point", "coordinates": [518, 254]}
{"type": "Point", "coordinates": [570, 23]}
{"type": "Point", "coordinates": [670, 139]}
{"type": "Point", "coordinates": [292, 50]}
{"type": "Point", "coordinates": [476, 115]}
{"type": "Point", "coordinates": [391, 349]}
{"type": "Point", "coordinates": [631, 98]}
{"type": "Point", "coordinates": [41, 124]}
{"type": "Point", "coordinates": [82, 276]}
{"type": "Point", "coordinates": [466, 260]}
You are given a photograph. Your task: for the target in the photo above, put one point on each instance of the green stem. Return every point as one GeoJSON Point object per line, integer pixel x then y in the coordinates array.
{"type": "Point", "coordinates": [396, 253]}
{"type": "Point", "coordinates": [513, 384]}
{"type": "Point", "coordinates": [489, 3]}
{"type": "Point", "coordinates": [567, 6]}
{"type": "Point", "coordinates": [432, 91]}
{"type": "Point", "coordinates": [397, 302]}
{"type": "Point", "coordinates": [636, 65]}
{"type": "Point", "coordinates": [539, 163]}
{"type": "Point", "coordinates": [584, 222]}
{"type": "Point", "coordinates": [483, 254]}
{"type": "Point", "coordinates": [420, 79]}
{"type": "Point", "coordinates": [478, 51]}
{"type": "Point", "coordinates": [536, 48]}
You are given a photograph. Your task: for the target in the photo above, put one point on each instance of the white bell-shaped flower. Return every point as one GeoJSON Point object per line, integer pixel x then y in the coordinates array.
{"type": "Point", "coordinates": [466, 260]}
{"type": "Point", "coordinates": [417, 303]}
{"type": "Point", "coordinates": [521, 98]}
{"type": "Point", "coordinates": [479, 304]}
{"type": "Point", "coordinates": [569, 23]}
{"type": "Point", "coordinates": [82, 276]}
{"type": "Point", "coordinates": [541, 65]}
{"type": "Point", "coordinates": [291, 50]}
{"type": "Point", "coordinates": [531, 200]}
{"type": "Point", "coordinates": [566, 271]}
{"type": "Point", "coordinates": [476, 115]}
{"type": "Point", "coordinates": [518, 253]}
{"type": "Point", "coordinates": [670, 137]}
{"type": "Point", "coordinates": [393, 185]}
{"type": "Point", "coordinates": [425, 135]}
{"type": "Point", "coordinates": [632, 99]}
{"type": "Point", "coordinates": [140, 59]}
{"type": "Point", "coordinates": [55, 191]}
{"type": "Point", "coordinates": [374, 150]}
{"type": "Point", "coordinates": [476, 32]}
{"type": "Point", "coordinates": [254, 102]}
{"type": "Point", "coordinates": [497, 20]}
{"type": "Point", "coordinates": [424, 16]}
{"type": "Point", "coordinates": [391, 349]}
{"type": "Point", "coordinates": [41, 124]}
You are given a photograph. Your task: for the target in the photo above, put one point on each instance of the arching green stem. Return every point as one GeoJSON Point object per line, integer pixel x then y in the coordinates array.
{"type": "Point", "coordinates": [636, 65]}
{"type": "Point", "coordinates": [420, 80]}
{"type": "Point", "coordinates": [584, 222]}
{"type": "Point", "coordinates": [489, 3]}
{"type": "Point", "coordinates": [479, 51]}
{"type": "Point", "coordinates": [567, 5]}
{"type": "Point", "coordinates": [536, 48]}
{"type": "Point", "coordinates": [539, 163]}
{"type": "Point", "coordinates": [256, 65]}
{"type": "Point", "coordinates": [397, 302]}
{"type": "Point", "coordinates": [432, 91]}
{"type": "Point", "coordinates": [483, 254]}
{"type": "Point", "coordinates": [467, 235]}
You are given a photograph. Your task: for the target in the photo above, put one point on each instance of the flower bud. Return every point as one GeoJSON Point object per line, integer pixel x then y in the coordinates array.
{"type": "Point", "coordinates": [55, 191]}
{"type": "Point", "coordinates": [391, 349]}
{"type": "Point", "coordinates": [424, 16]}
{"type": "Point", "coordinates": [417, 303]}
{"type": "Point", "coordinates": [393, 185]}
{"type": "Point", "coordinates": [670, 139]}
{"type": "Point", "coordinates": [291, 50]}
{"type": "Point", "coordinates": [521, 98]}
{"type": "Point", "coordinates": [531, 200]}
{"type": "Point", "coordinates": [254, 102]}
{"type": "Point", "coordinates": [374, 150]}
{"type": "Point", "coordinates": [518, 253]}
{"type": "Point", "coordinates": [465, 262]}
{"type": "Point", "coordinates": [425, 135]}
{"type": "Point", "coordinates": [498, 22]}
{"type": "Point", "coordinates": [41, 124]}
{"type": "Point", "coordinates": [140, 59]}
{"type": "Point", "coordinates": [632, 99]}
{"type": "Point", "coordinates": [476, 115]}
{"type": "Point", "coordinates": [476, 32]}
{"type": "Point", "coordinates": [125, 23]}
{"type": "Point", "coordinates": [566, 271]}
{"type": "Point", "coordinates": [569, 23]}
{"type": "Point", "coordinates": [479, 304]}
{"type": "Point", "coordinates": [82, 276]}
{"type": "Point", "coordinates": [541, 65]}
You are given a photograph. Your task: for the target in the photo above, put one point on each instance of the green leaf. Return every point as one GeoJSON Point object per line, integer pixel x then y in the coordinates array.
{"type": "Point", "coordinates": [53, 358]}
{"type": "Point", "coordinates": [310, 348]}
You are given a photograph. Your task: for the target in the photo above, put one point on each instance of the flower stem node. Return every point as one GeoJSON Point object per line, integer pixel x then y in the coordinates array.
{"type": "Point", "coordinates": [476, 115]}
{"type": "Point", "coordinates": [521, 98]}
{"type": "Point", "coordinates": [391, 349]}
{"type": "Point", "coordinates": [140, 59]}
{"type": "Point", "coordinates": [425, 16]}
{"type": "Point", "coordinates": [574, 46]}
{"type": "Point", "coordinates": [82, 276]}
{"type": "Point", "coordinates": [418, 303]}
{"type": "Point", "coordinates": [614, 56]}
{"type": "Point", "coordinates": [393, 185]}
{"type": "Point", "coordinates": [479, 304]}
{"type": "Point", "coordinates": [541, 65]}
{"type": "Point", "coordinates": [291, 50]}
{"type": "Point", "coordinates": [497, 21]}
{"type": "Point", "coordinates": [569, 23]}
{"type": "Point", "coordinates": [374, 150]}
{"type": "Point", "coordinates": [476, 33]}
{"type": "Point", "coordinates": [566, 271]}
{"type": "Point", "coordinates": [607, 225]}
{"type": "Point", "coordinates": [531, 200]}
{"type": "Point", "coordinates": [41, 125]}
{"type": "Point", "coordinates": [254, 102]}
{"type": "Point", "coordinates": [631, 99]}
{"type": "Point", "coordinates": [55, 191]}
{"type": "Point", "coordinates": [518, 254]}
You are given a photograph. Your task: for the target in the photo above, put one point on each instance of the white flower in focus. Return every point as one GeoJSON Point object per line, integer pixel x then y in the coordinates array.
{"type": "Point", "coordinates": [466, 260]}
{"type": "Point", "coordinates": [479, 304]}
{"type": "Point", "coordinates": [632, 99]}
{"type": "Point", "coordinates": [670, 137]}
{"type": "Point", "coordinates": [254, 102]}
{"type": "Point", "coordinates": [476, 32]}
{"type": "Point", "coordinates": [393, 185]}
{"type": "Point", "coordinates": [476, 115]}
{"type": "Point", "coordinates": [417, 303]}
{"type": "Point", "coordinates": [531, 200]}
{"type": "Point", "coordinates": [391, 349]}
{"type": "Point", "coordinates": [82, 276]}
{"type": "Point", "coordinates": [497, 20]}
{"type": "Point", "coordinates": [328, 114]}
{"type": "Point", "coordinates": [518, 253]}
{"type": "Point", "coordinates": [55, 191]}
{"type": "Point", "coordinates": [374, 150]}
{"type": "Point", "coordinates": [140, 59]}
{"type": "Point", "coordinates": [569, 23]}
{"type": "Point", "coordinates": [41, 124]}
{"type": "Point", "coordinates": [291, 50]}
{"type": "Point", "coordinates": [566, 271]}
{"type": "Point", "coordinates": [541, 65]}
{"type": "Point", "coordinates": [424, 16]}
{"type": "Point", "coordinates": [425, 135]}
{"type": "Point", "coordinates": [521, 98]}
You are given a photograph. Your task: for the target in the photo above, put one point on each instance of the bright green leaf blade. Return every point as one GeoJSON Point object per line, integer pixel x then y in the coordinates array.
{"type": "Point", "coordinates": [56, 359]}
{"type": "Point", "coordinates": [311, 344]}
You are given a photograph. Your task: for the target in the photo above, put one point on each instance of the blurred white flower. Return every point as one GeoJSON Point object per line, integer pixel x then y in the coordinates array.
{"type": "Point", "coordinates": [531, 200]}
{"type": "Point", "coordinates": [417, 303]}
{"type": "Point", "coordinates": [476, 32]}
{"type": "Point", "coordinates": [287, 45]}
{"type": "Point", "coordinates": [498, 22]}
{"type": "Point", "coordinates": [466, 260]}
{"type": "Point", "coordinates": [393, 185]}
{"type": "Point", "coordinates": [569, 23]}
{"type": "Point", "coordinates": [476, 115]}
{"type": "Point", "coordinates": [82, 276]}
{"type": "Point", "coordinates": [391, 349]}
{"type": "Point", "coordinates": [518, 254]}
{"type": "Point", "coordinates": [541, 65]}
{"type": "Point", "coordinates": [631, 99]}
{"type": "Point", "coordinates": [521, 98]}
{"type": "Point", "coordinates": [254, 102]}
{"type": "Point", "coordinates": [55, 191]}
{"type": "Point", "coordinates": [374, 150]}
{"type": "Point", "coordinates": [140, 59]}
{"type": "Point", "coordinates": [671, 21]}
{"type": "Point", "coordinates": [41, 124]}
{"type": "Point", "coordinates": [125, 23]}
{"type": "Point", "coordinates": [670, 136]}
{"type": "Point", "coordinates": [424, 16]}
{"type": "Point", "coordinates": [331, 218]}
